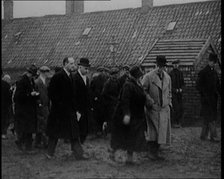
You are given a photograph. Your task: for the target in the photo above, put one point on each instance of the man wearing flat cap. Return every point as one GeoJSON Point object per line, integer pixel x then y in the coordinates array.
{"type": "Point", "coordinates": [177, 80]}
{"type": "Point", "coordinates": [42, 107]}
{"type": "Point", "coordinates": [25, 98]}
{"type": "Point", "coordinates": [209, 87]}
{"type": "Point", "coordinates": [81, 86]}
{"type": "Point", "coordinates": [157, 85]}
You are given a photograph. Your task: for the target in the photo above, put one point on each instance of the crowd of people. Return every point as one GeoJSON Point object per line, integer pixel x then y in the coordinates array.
{"type": "Point", "coordinates": [138, 109]}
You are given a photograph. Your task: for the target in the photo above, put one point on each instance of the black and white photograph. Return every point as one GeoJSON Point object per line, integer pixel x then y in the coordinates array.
{"type": "Point", "coordinates": [111, 89]}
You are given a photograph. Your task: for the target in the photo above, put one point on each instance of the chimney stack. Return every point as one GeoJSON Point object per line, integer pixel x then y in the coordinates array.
{"type": "Point", "coordinates": [74, 6]}
{"type": "Point", "coordinates": [8, 9]}
{"type": "Point", "coordinates": [148, 3]}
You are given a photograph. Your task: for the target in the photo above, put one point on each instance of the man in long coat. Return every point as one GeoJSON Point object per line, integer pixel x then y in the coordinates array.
{"type": "Point", "coordinates": [42, 107]}
{"type": "Point", "coordinates": [81, 85]}
{"type": "Point", "coordinates": [62, 121]}
{"type": "Point", "coordinates": [25, 99]}
{"type": "Point", "coordinates": [157, 85]}
{"type": "Point", "coordinates": [209, 87]}
{"type": "Point", "coordinates": [177, 80]}
{"type": "Point", "coordinates": [96, 88]}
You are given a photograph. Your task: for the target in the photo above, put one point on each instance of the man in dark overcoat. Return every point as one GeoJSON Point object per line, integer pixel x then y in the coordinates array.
{"type": "Point", "coordinates": [177, 81]}
{"type": "Point", "coordinates": [81, 85]}
{"type": "Point", "coordinates": [208, 85]}
{"type": "Point", "coordinates": [43, 106]}
{"type": "Point", "coordinates": [62, 121]}
{"type": "Point", "coordinates": [25, 99]}
{"type": "Point", "coordinates": [110, 95]}
{"type": "Point", "coordinates": [96, 87]}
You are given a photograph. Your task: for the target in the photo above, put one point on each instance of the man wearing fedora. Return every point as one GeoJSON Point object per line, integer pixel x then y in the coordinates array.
{"type": "Point", "coordinates": [157, 85]}
{"type": "Point", "coordinates": [42, 107]}
{"type": "Point", "coordinates": [81, 86]}
{"type": "Point", "coordinates": [25, 98]}
{"type": "Point", "coordinates": [62, 121]}
{"type": "Point", "coordinates": [177, 80]}
{"type": "Point", "coordinates": [208, 85]}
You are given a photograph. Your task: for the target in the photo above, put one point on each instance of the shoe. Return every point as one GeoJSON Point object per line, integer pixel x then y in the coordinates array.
{"type": "Point", "coordinates": [204, 138]}
{"type": "Point", "coordinates": [151, 156]}
{"type": "Point", "coordinates": [81, 157]}
{"type": "Point", "coordinates": [112, 157]}
{"type": "Point", "coordinates": [215, 140]}
{"type": "Point", "coordinates": [129, 162]}
{"type": "Point", "coordinates": [48, 156]}
{"type": "Point", "coordinates": [19, 145]}
{"type": "Point", "coordinates": [30, 151]}
{"type": "Point", "coordinates": [4, 136]}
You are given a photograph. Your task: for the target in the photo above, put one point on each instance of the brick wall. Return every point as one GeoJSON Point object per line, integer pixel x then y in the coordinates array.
{"type": "Point", "coordinates": [191, 97]}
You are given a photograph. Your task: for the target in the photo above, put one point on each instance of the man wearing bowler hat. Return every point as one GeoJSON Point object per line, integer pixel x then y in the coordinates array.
{"type": "Point", "coordinates": [177, 80]}
{"type": "Point", "coordinates": [208, 85]}
{"type": "Point", "coordinates": [157, 85]}
{"type": "Point", "coordinates": [81, 86]}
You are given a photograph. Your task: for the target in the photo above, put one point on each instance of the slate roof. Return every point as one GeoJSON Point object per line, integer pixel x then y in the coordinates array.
{"type": "Point", "coordinates": [47, 40]}
{"type": "Point", "coordinates": [188, 51]}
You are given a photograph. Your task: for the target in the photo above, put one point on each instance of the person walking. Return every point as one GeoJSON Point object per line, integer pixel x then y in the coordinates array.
{"type": "Point", "coordinates": [96, 88]}
{"type": "Point", "coordinates": [62, 121]}
{"type": "Point", "coordinates": [42, 107]}
{"type": "Point", "coordinates": [129, 124]}
{"type": "Point", "coordinates": [110, 94]}
{"type": "Point", "coordinates": [177, 81]}
{"type": "Point", "coordinates": [25, 98]}
{"type": "Point", "coordinates": [81, 85]}
{"type": "Point", "coordinates": [6, 104]}
{"type": "Point", "coordinates": [209, 87]}
{"type": "Point", "coordinates": [157, 85]}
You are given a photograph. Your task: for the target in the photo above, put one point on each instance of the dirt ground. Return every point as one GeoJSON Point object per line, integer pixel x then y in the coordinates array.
{"type": "Point", "coordinates": [187, 157]}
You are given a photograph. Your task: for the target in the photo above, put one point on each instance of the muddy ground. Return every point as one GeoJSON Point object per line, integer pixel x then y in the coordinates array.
{"type": "Point", "coordinates": [187, 157]}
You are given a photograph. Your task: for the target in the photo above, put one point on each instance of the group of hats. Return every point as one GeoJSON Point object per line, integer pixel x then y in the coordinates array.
{"type": "Point", "coordinates": [33, 69]}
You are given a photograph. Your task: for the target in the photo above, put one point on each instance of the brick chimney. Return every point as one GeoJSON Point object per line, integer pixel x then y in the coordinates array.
{"type": "Point", "coordinates": [8, 9]}
{"type": "Point", "coordinates": [148, 3]}
{"type": "Point", "coordinates": [75, 6]}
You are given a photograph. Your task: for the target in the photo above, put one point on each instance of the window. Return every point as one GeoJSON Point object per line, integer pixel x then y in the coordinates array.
{"type": "Point", "coordinates": [171, 26]}
{"type": "Point", "coordinates": [86, 31]}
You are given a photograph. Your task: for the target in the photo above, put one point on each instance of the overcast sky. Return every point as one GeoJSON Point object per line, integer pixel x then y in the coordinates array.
{"type": "Point", "coordinates": [40, 8]}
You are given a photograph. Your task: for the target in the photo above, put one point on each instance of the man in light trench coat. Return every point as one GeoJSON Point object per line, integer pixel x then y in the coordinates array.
{"type": "Point", "coordinates": [157, 85]}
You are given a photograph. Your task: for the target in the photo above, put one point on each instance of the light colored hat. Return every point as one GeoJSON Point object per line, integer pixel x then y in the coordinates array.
{"type": "Point", "coordinates": [44, 69]}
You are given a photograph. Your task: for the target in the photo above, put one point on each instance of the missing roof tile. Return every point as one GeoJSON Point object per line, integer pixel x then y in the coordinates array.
{"type": "Point", "coordinates": [171, 26]}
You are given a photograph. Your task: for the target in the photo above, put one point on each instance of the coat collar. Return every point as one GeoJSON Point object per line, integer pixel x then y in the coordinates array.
{"type": "Point", "coordinates": [156, 80]}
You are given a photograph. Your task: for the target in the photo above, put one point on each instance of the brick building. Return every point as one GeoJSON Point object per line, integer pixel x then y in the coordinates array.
{"type": "Point", "coordinates": [137, 32]}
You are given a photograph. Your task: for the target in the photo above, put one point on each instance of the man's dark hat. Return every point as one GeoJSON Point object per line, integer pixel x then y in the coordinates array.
{"type": "Point", "coordinates": [161, 60]}
{"type": "Point", "coordinates": [114, 70]}
{"type": "Point", "coordinates": [101, 69]}
{"type": "Point", "coordinates": [32, 69]}
{"type": "Point", "coordinates": [213, 57]}
{"type": "Point", "coordinates": [176, 62]}
{"type": "Point", "coordinates": [84, 62]}
{"type": "Point", "coordinates": [136, 71]}
{"type": "Point", "coordinates": [126, 67]}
